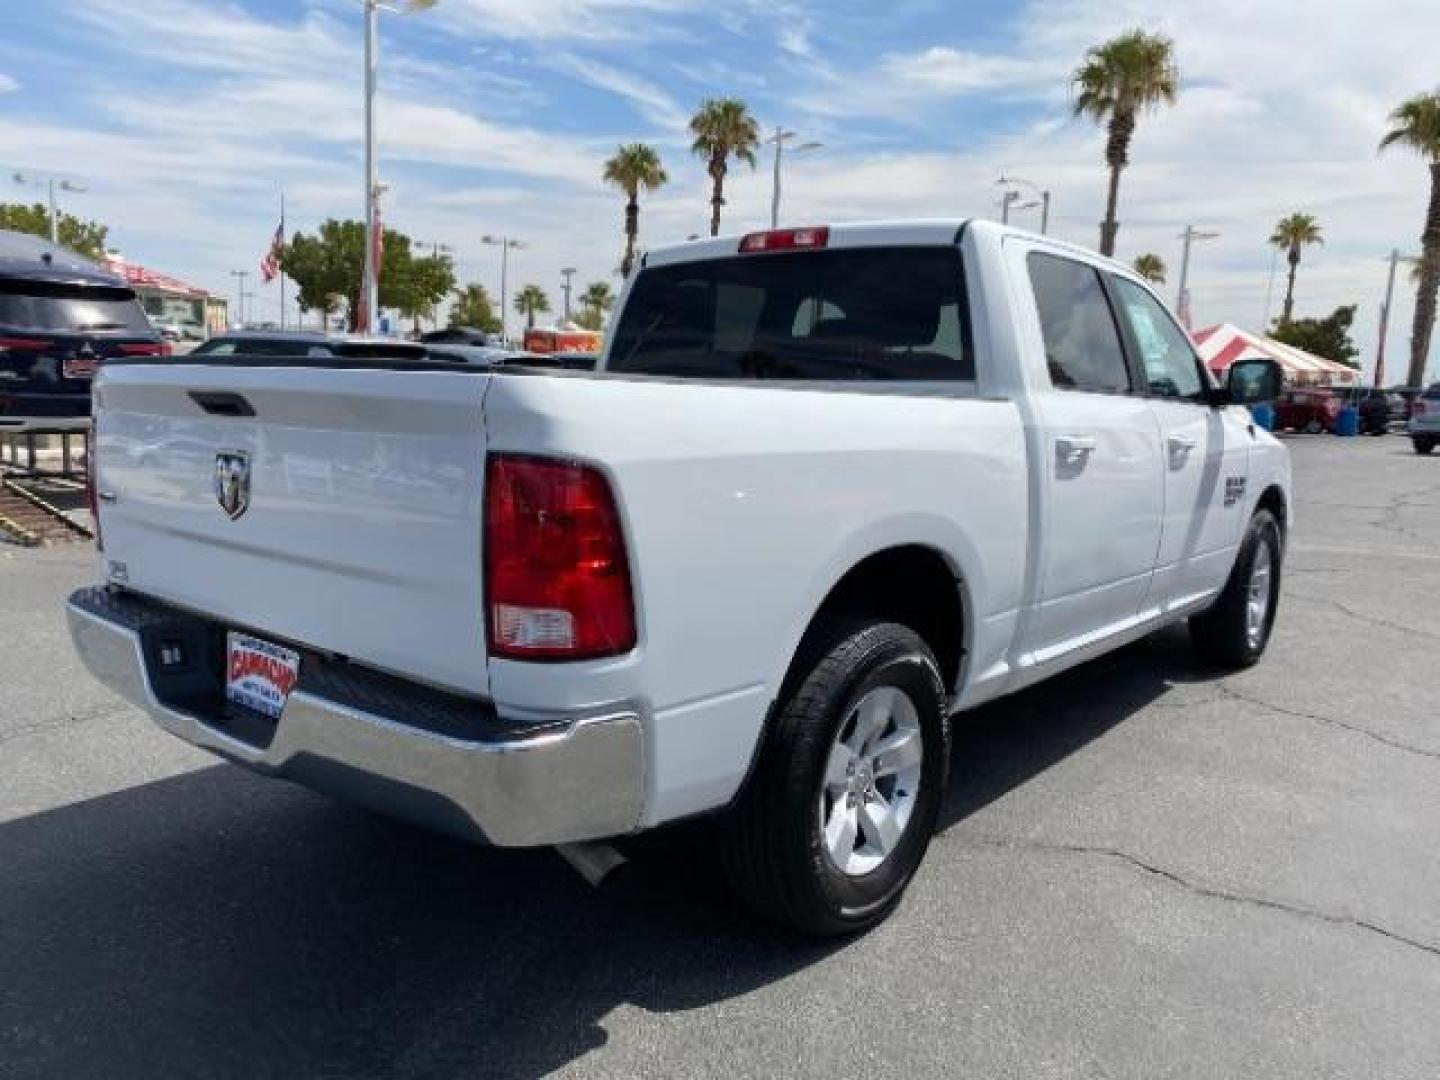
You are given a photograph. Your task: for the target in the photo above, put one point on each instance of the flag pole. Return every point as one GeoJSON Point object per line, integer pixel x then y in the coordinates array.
{"type": "Point", "coordinates": [282, 265]}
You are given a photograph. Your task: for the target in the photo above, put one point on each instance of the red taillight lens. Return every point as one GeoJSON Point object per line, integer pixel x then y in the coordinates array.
{"type": "Point", "coordinates": [1417, 407]}
{"type": "Point", "coordinates": [785, 240]}
{"type": "Point", "coordinates": [557, 579]}
{"type": "Point", "coordinates": [147, 348]}
{"type": "Point", "coordinates": [26, 344]}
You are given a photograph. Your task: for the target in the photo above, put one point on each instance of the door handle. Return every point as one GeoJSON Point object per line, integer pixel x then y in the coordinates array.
{"type": "Point", "coordinates": [1180, 447]}
{"type": "Point", "coordinates": [1074, 449]}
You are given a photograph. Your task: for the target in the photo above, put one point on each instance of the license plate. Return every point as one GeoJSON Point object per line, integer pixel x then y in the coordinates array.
{"type": "Point", "coordinates": [79, 367]}
{"type": "Point", "coordinates": [259, 675]}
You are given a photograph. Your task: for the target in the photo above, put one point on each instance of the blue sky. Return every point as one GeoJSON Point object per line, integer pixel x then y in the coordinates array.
{"type": "Point", "coordinates": [185, 117]}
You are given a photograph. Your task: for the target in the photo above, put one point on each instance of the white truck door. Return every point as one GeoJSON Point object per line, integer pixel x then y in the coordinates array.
{"type": "Point", "coordinates": [1101, 484]}
{"type": "Point", "coordinates": [1205, 457]}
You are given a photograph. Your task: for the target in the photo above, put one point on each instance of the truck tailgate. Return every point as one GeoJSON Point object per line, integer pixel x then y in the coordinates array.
{"type": "Point", "coordinates": [361, 535]}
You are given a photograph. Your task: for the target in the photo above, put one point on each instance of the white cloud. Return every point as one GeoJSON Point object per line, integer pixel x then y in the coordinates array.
{"type": "Point", "coordinates": [649, 99]}
{"type": "Point", "coordinates": [8, 83]}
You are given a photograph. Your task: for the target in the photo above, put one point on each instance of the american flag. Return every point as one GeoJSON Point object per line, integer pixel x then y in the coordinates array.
{"type": "Point", "coordinates": [270, 264]}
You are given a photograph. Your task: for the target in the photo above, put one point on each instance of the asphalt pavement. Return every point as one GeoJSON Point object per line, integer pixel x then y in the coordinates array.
{"type": "Point", "coordinates": [1145, 870]}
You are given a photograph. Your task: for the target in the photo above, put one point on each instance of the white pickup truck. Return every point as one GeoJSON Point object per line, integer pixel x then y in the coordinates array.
{"type": "Point", "coordinates": [826, 489]}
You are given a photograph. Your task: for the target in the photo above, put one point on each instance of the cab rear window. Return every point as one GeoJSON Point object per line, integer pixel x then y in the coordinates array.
{"type": "Point", "coordinates": [61, 308]}
{"type": "Point", "coordinates": [850, 315]}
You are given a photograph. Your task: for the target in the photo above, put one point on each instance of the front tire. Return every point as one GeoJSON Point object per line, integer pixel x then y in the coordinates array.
{"type": "Point", "coordinates": [845, 795]}
{"type": "Point", "coordinates": [1422, 444]}
{"type": "Point", "coordinates": [1233, 633]}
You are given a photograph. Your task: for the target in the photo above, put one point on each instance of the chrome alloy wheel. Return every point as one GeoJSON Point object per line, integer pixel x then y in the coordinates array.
{"type": "Point", "coordinates": [872, 780]}
{"type": "Point", "coordinates": [1257, 597]}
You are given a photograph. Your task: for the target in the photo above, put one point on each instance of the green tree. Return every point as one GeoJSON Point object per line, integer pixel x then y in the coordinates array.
{"type": "Point", "coordinates": [528, 301]}
{"type": "Point", "coordinates": [474, 308]}
{"type": "Point", "coordinates": [634, 167]}
{"type": "Point", "coordinates": [595, 301]}
{"type": "Point", "coordinates": [1328, 337]}
{"type": "Point", "coordinates": [429, 280]}
{"type": "Point", "coordinates": [723, 128]}
{"type": "Point", "coordinates": [84, 237]}
{"type": "Point", "coordinates": [1292, 233]}
{"type": "Point", "coordinates": [1415, 125]}
{"type": "Point", "coordinates": [329, 264]}
{"type": "Point", "coordinates": [1151, 267]}
{"type": "Point", "coordinates": [1125, 76]}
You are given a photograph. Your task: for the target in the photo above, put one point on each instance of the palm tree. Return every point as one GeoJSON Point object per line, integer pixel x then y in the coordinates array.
{"type": "Point", "coordinates": [528, 301]}
{"type": "Point", "coordinates": [633, 167]}
{"type": "Point", "coordinates": [597, 299]}
{"type": "Point", "coordinates": [1415, 124]}
{"type": "Point", "coordinates": [1291, 234]}
{"type": "Point", "coordinates": [1151, 267]}
{"type": "Point", "coordinates": [1118, 80]}
{"type": "Point", "coordinates": [473, 308]}
{"type": "Point", "coordinates": [723, 128]}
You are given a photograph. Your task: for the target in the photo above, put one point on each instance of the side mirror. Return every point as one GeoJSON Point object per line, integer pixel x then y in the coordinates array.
{"type": "Point", "coordinates": [1249, 382]}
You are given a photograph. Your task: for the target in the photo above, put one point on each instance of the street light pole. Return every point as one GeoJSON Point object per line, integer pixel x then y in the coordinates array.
{"type": "Point", "coordinates": [240, 276]}
{"type": "Point", "coordinates": [780, 138]}
{"type": "Point", "coordinates": [505, 243]}
{"type": "Point", "coordinates": [1395, 259]}
{"type": "Point", "coordinates": [1042, 194]}
{"type": "Point", "coordinates": [50, 183]}
{"type": "Point", "coordinates": [567, 273]}
{"type": "Point", "coordinates": [1182, 293]}
{"type": "Point", "coordinates": [369, 288]}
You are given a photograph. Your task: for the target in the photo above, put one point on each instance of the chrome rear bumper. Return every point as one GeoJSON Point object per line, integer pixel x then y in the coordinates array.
{"type": "Point", "coordinates": [580, 778]}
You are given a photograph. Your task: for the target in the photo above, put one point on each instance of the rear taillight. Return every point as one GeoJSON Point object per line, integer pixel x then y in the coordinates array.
{"type": "Point", "coordinates": [23, 344]}
{"type": "Point", "coordinates": [147, 348]}
{"type": "Point", "coordinates": [557, 578]}
{"type": "Point", "coordinates": [1417, 408]}
{"type": "Point", "coordinates": [785, 240]}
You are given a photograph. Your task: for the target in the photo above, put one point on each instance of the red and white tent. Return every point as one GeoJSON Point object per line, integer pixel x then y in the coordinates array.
{"type": "Point", "coordinates": [1220, 346]}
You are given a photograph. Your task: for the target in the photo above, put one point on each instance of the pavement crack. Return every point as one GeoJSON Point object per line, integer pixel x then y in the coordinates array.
{"type": "Point", "coordinates": [100, 712]}
{"type": "Point", "coordinates": [1360, 616]}
{"type": "Point", "coordinates": [1213, 892]}
{"type": "Point", "coordinates": [1395, 744]}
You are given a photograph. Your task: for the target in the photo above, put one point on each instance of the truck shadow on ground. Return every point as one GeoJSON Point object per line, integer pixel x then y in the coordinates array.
{"type": "Point", "coordinates": [217, 924]}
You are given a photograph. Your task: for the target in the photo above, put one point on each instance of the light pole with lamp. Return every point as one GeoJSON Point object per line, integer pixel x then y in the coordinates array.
{"type": "Point", "coordinates": [50, 184]}
{"type": "Point", "coordinates": [1395, 260]}
{"type": "Point", "coordinates": [780, 138]}
{"type": "Point", "coordinates": [567, 273]}
{"type": "Point", "coordinates": [1040, 193]}
{"type": "Point", "coordinates": [504, 243]}
{"type": "Point", "coordinates": [1182, 292]}
{"type": "Point", "coordinates": [240, 294]}
{"type": "Point", "coordinates": [369, 281]}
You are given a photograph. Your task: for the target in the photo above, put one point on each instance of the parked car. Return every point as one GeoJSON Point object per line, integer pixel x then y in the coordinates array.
{"type": "Point", "coordinates": [1311, 410]}
{"type": "Point", "coordinates": [825, 491]}
{"type": "Point", "coordinates": [1374, 407]}
{"type": "Point", "coordinates": [462, 335]}
{"type": "Point", "coordinates": [1424, 426]}
{"type": "Point", "coordinates": [301, 343]}
{"type": "Point", "coordinates": [61, 317]}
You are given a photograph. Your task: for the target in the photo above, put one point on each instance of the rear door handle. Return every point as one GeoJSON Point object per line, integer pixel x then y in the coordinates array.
{"type": "Point", "coordinates": [1074, 449]}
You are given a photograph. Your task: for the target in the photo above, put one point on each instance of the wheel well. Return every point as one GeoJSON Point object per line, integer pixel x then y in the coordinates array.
{"type": "Point", "coordinates": [1273, 499]}
{"type": "Point", "coordinates": [913, 586]}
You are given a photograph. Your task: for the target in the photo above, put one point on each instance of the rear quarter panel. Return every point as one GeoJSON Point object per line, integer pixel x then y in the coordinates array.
{"type": "Point", "coordinates": [743, 506]}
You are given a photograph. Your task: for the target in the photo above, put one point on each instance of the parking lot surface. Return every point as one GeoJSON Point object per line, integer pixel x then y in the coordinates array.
{"type": "Point", "coordinates": [1145, 870]}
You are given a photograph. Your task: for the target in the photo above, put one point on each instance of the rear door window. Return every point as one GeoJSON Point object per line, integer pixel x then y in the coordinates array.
{"type": "Point", "coordinates": [1082, 342]}
{"type": "Point", "coordinates": [848, 314]}
{"type": "Point", "coordinates": [63, 308]}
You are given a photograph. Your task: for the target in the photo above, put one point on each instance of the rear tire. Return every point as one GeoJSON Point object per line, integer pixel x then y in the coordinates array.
{"type": "Point", "coordinates": [851, 677]}
{"type": "Point", "coordinates": [1233, 633]}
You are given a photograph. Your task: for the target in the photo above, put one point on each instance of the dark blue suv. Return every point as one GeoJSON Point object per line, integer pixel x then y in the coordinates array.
{"type": "Point", "coordinates": [61, 317]}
